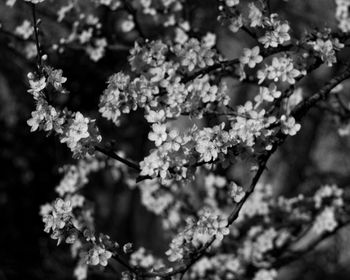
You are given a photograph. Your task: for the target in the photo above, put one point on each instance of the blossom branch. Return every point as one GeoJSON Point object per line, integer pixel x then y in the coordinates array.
{"type": "Point", "coordinates": [298, 113]}
{"type": "Point", "coordinates": [160, 86]}
{"type": "Point", "coordinates": [280, 137]}
{"type": "Point", "coordinates": [233, 62]}
{"type": "Point", "coordinates": [292, 255]}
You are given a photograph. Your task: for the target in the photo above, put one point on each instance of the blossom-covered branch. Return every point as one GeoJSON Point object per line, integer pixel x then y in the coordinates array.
{"type": "Point", "coordinates": [221, 226]}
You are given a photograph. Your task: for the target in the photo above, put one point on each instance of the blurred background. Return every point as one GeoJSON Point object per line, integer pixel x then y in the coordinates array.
{"type": "Point", "coordinates": [30, 161]}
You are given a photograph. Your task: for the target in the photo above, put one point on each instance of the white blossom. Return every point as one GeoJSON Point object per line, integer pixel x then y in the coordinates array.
{"type": "Point", "coordinates": [34, 1]}
{"type": "Point", "coordinates": [326, 221]}
{"type": "Point", "coordinates": [158, 134]}
{"type": "Point", "coordinates": [236, 192]}
{"type": "Point", "coordinates": [25, 30]}
{"type": "Point", "coordinates": [251, 57]}
{"type": "Point", "coordinates": [98, 256]}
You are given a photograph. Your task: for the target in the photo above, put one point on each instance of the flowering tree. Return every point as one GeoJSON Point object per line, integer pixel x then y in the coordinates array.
{"type": "Point", "coordinates": [222, 224]}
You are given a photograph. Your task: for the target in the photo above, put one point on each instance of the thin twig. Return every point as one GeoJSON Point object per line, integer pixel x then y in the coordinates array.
{"type": "Point", "coordinates": [36, 33]}
{"type": "Point", "coordinates": [250, 33]}
{"type": "Point", "coordinates": [113, 155]}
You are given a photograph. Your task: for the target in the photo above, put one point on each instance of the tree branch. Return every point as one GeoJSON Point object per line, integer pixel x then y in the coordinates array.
{"type": "Point", "coordinates": [233, 62]}
{"type": "Point", "coordinates": [36, 33]}
{"type": "Point", "coordinates": [302, 109]}
{"type": "Point", "coordinates": [113, 155]}
{"type": "Point", "coordinates": [280, 137]}
{"type": "Point", "coordinates": [294, 254]}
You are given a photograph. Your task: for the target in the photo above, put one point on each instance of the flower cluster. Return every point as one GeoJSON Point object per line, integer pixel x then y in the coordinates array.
{"type": "Point", "coordinates": [34, 1]}
{"type": "Point", "coordinates": [330, 193]}
{"type": "Point", "coordinates": [57, 217]}
{"type": "Point", "coordinates": [198, 137]}
{"type": "Point", "coordinates": [164, 11]}
{"type": "Point", "coordinates": [257, 204]}
{"type": "Point", "coordinates": [281, 69]}
{"type": "Point", "coordinates": [192, 54]}
{"type": "Point", "coordinates": [267, 224]}
{"type": "Point", "coordinates": [174, 157]}
{"type": "Point", "coordinates": [159, 88]}
{"type": "Point", "coordinates": [112, 4]}
{"type": "Point", "coordinates": [76, 176]}
{"type": "Point", "coordinates": [141, 258]}
{"type": "Point", "coordinates": [225, 266]}
{"type": "Point", "coordinates": [326, 221]}
{"type": "Point", "coordinates": [264, 274]}
{"type": "Point", "coordinates": [259, 242]}
{"type": "Point", "coordinates": [326, 49]}
{"type": "Point", "coordinates": [330, 197]}
{"type": "Point", "coordinates": [25, 30]}
{"type": "Point", "coordinates": [154, 198]}
{"type": "Point", "coordinates": [278, 35]}
{"type": "Point", "coordinates": [85, 32]}
{"type": "Point", "coordinates": [231, 3]}
{"type": "Point", "coordinates": [70, 219]}
{"type": "Point", "coordinates": [255, 16]}
{"type": "Point", "coordinates": [197, 234]}
{"type": "Point", "coordinates": [342, 14]}
{"type": "Point", "coordinates": [250, 124]}
{"type": "Point", "coordinates": [60, 216]}
{"type": "Point", "coordinates": [79, 132]}
{"type": "Point", "coordinates": [268, 94]}
{"type": "Point", "coordinates": [236, 192]}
